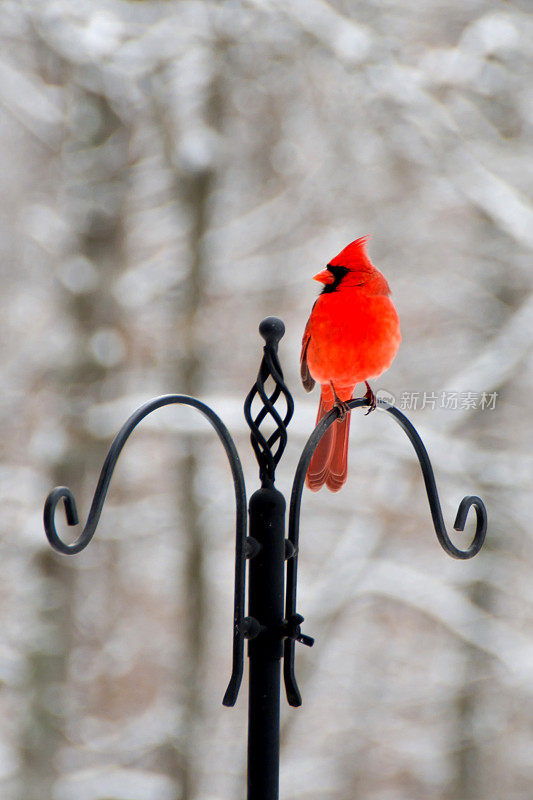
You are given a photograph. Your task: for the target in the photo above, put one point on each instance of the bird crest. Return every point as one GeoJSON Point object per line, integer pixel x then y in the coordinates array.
{"type": "Point", "coordinates": [353, 255]}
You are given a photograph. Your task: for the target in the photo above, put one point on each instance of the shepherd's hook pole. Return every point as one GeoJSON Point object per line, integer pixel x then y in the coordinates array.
{"type": "Point", "coordinates": [271, 633]}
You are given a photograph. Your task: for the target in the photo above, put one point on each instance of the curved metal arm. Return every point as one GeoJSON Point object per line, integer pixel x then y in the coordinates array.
{"type": "Point", "coordinates": [433, 497]}
{"type": "Point", "coordinates": [293, 694]}
{"type": "Point", "coordinates": [63, 493]}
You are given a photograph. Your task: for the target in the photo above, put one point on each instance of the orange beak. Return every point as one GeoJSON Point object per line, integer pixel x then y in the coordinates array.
{"type": "Point", "coordinates": [324, 277]}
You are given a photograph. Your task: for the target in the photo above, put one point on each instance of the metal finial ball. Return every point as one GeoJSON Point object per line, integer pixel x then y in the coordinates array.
{"type": "Point", "coordinates": [272, 330]}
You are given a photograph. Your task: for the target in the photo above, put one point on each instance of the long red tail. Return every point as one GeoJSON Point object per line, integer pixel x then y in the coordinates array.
{"type": "Point", "coordinates": [329, 464]}
{"type": "Point", "coordinates": [338, 463]}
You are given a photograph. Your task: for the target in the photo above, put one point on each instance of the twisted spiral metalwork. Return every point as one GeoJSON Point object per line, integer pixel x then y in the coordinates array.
{"type": "Point", "coordinates": [293, 694]}
{"type": "Point", "coordinates": [268, 451]}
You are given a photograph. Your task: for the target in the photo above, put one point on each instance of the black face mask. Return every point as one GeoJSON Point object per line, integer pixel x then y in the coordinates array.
{"type": "Point", "coordinates": [338, 273]}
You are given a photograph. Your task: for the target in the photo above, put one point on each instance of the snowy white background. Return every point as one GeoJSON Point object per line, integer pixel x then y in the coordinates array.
{"type": "Point", "coordinates": [172, 172]}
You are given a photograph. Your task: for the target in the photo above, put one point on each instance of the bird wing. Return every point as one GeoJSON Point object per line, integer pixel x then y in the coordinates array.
{"type": "Point", "coordinates": [307, 380]}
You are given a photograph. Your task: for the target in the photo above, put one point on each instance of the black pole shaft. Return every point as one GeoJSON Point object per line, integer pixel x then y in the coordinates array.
{"type": "Point", "coordinates": [266, 584]}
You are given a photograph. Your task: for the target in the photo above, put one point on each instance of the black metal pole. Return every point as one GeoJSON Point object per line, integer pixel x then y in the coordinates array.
{"type": "Point", "coordinates": [266, 606]}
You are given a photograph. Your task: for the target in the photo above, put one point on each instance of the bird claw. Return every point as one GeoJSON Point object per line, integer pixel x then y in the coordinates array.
{"type": "Point", "coordinates": [371, 397]}
{"type": "Point", "coordinates": [342, 407]}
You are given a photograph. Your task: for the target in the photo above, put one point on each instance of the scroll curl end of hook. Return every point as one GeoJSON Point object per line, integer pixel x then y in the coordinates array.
{"type": "Point", "coordinates": [481, 525]}
{"type": "Point", "coordinates": [434, 503]}
{"type": "Point", "coordinates": [71, 514]}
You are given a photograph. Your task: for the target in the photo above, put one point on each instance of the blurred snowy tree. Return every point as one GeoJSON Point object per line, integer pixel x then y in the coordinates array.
{"type": "Point", "coordinates": [172, 173]}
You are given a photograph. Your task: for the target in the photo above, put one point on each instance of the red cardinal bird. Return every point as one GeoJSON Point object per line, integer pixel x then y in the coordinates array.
{"type": "Point", "coordinates": [352, 335]}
